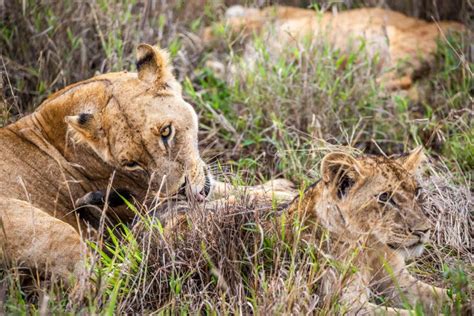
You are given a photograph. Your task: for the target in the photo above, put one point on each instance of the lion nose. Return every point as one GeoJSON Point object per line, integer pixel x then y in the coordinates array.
{"type": "Point", "coordinates": [422, 234]}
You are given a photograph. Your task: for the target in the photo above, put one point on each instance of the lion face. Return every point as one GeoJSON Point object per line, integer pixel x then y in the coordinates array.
{"type": "Point", "coordinates": [379, 197]}
{"type": "Point", "coordinates": [145, 129]}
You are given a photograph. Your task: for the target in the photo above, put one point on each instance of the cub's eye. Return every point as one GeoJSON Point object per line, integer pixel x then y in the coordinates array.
{"type": "Point", "coordinates": [386, 197]}
{"type": "Point", "coordinates": [132, 165]}
{"type": "Point", "coordinates": [383, 197]}
{"type": "Point", "coordinates": [166, 131]}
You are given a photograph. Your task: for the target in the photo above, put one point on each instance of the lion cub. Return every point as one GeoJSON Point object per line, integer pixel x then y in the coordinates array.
{"type": "Point", "coordinates": [371, 206]}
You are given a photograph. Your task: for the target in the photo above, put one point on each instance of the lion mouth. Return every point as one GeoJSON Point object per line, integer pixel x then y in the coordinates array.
{"type": "Point", "coordinates": [204, 193]}
{"type": "Point", "coordinates": [207, 185]}
{"type": "Point", "coordinates": [408, 251]}
{"type": "Point", "coordinates": [396, 246]}
{"type": "Point", "coordinates": [182, 188]}
{"type": "Point", "coordinates": [197, 196]}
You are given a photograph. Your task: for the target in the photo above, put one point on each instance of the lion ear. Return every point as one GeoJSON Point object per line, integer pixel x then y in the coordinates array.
{"type": "Point", "coordinates": [341, 170]}
{"type": "Point", "coordinates": [86, 126]}
{"type": "Point", "coordinates": [413, 160]}
{"type": "Point", "coordinates": [153, 65]}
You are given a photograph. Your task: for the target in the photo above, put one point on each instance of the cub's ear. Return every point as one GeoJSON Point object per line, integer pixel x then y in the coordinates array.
{"type": "Point", "coordinates": [413, 160]}
{"type": "Point", "coordinates": [153, 65]}
{"type": "Point", "coordinates": [86, 126]}
{"type": "Point", "coordinates": [341, 170]}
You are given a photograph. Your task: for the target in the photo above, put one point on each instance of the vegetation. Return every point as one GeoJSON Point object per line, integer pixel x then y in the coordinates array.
{"type": "Point", "coordinates": [274, 119]}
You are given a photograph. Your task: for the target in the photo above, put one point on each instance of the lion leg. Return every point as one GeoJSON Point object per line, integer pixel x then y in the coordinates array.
{"type": "Point", "coordinates": [280, 189]}
{"type": "Point", "coordinates": [34, 239]}
{"type": "Point", "coordinates": [410, 290]}
{"type": "Point", "coordinates": [374, 309]}
{"type": "Point", "coordinates": [221, 189]}
{"type": "Point", "coordinates": [359, 305]}
{"type": "Point", "coordinates": [355, 295]}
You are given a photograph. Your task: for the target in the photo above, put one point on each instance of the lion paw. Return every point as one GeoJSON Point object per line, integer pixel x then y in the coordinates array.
{"type": "Point", "coordinates": [280, 185]}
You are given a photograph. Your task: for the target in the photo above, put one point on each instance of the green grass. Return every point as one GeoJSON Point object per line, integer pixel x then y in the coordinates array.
{"type": "Point", "coordinates": [282, 107]}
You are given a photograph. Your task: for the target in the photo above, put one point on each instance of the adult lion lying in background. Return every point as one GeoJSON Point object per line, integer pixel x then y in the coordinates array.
{"type": "Point", "coordinates": [405, 46]}
{"type": "Point", "coordinates": [129, 131]}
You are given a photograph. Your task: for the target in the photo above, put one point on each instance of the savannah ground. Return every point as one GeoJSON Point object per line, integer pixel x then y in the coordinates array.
{"type": "Point", "coordinates": [276, 119]}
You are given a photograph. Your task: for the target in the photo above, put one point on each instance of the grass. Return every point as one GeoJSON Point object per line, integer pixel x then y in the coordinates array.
{"type": "Point", "coordinates": [276, 118]}
{"type": "Point", "coordinates": [280, 106]}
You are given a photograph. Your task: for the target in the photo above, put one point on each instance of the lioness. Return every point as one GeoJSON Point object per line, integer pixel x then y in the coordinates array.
{"type": "Point", "coordinates": [397, 40]}
{"type": "Point", "coordinates": [133, 130]}
{"type": "Point", "coordinates": [371, 207]}
{"type": "Point", "coordinates": [129, 131]}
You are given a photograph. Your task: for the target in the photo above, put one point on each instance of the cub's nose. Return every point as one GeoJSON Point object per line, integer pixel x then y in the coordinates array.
{"type": "Point", "coordinates": [422, 234]}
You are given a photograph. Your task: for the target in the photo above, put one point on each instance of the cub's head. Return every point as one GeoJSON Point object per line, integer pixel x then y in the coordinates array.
{"type": "Point", "coordinates": [139, 124]}
{"type": "Point", "coordinates": [377, 196]}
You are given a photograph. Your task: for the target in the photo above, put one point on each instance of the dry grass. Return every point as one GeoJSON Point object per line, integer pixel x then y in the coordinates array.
{"type": "Point", "coordinates": [277, 119]}
{"type": "Point", "coordinates": [450, 209]}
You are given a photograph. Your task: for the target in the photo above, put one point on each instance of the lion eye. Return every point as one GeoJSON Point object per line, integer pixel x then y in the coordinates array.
{"type": "Point", "coordinates": [166, 131]}
{"type": "Point", "coordinates": [131, 165]}
{"type": "Point", "coordinates": [386, 197]}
